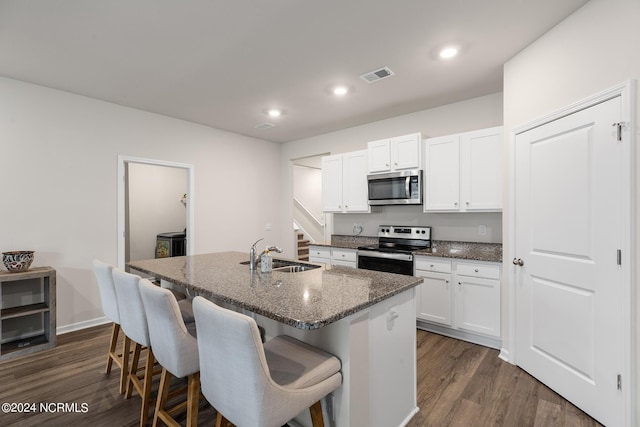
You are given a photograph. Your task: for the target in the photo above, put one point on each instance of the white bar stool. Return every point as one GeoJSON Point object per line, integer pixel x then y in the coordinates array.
{"type": "Point", "coordinates": [174, 348]}
{"type": "Point", "coordinates": [109, 302]}
{"type": "Point", "coordinates": [133, 321]}
{"type": "Point", "coordinates": [256, 385]}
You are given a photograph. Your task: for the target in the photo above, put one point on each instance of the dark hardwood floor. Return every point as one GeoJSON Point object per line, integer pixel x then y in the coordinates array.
{"type": "Point", "coordinates": [459, 384]}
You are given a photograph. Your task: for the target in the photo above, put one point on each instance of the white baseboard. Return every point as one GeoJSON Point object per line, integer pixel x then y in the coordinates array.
{"type": "Point", "coordinates": [504, 355]}
{"type": "Point", "coordinates": [81, 325]}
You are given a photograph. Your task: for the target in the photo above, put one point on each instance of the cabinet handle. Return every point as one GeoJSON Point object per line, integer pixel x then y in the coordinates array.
{"type": "Point", "coordinates": [476, 270]}
{"type": "Point", "coordinates": [386, 164]}
{"type": "Point", "coordinates": [518, 261]}
{"type": "Point", "coordinates": [346, 206]}
{"type": "Point", "coordinates": [455, 203]}
{"type": "Point", "coordinates": [431, 265]}
{"type": "Point", "coordinates": [467, 203]}
{"type": "Point", "coordinates": [396, 163]}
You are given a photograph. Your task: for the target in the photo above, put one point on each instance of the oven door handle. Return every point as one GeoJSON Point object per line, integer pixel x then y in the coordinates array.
{"type": "Point", "coordinates": [372, 254]}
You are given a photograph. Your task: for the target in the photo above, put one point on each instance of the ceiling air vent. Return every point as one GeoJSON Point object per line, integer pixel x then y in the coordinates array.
{"type": "Point", "coordinates": [377, 75]}
{"type": "Point", "coordinates": [264, 125]}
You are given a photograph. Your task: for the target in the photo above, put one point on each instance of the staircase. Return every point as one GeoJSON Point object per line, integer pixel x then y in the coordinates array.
{"type": "Point", "coordinates": [303, 248]}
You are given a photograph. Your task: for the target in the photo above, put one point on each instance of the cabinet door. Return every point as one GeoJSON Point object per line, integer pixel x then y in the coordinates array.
{"type": "Point", "coordinates": [332, 183]}
{"type": "Point", "coordinates": [442, 174]}
{"type": "Point", "coordinates": [405, 151]}
{"type": "Point", "coordinates": [379, 156]}
{"type": "Point", "coordinates": [355, 193]}
{"type": "Point", "coordinates": [434, 298]}
{"type": "Point", "coordinates": [481, 170]}
{"type": "Point", "coordinates": [478, 305]}
{"type": "Point", "coordinates": [320, 254]}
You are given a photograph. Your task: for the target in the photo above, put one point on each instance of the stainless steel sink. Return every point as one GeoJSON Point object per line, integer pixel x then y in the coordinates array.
{"type": "Point", "coordinates": [286, 266]}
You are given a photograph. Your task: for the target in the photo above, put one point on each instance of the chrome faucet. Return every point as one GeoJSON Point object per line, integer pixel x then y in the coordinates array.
{"type": "Point", "coordinates": [254, 258]}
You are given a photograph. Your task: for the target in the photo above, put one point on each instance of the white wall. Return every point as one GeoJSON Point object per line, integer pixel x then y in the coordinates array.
{"type": "Point", "coordinates": [154, 206]}
{"type": "Point", "coordinates": [477, 113]}
{"type": "Point", "coordinates": [308, 188]}
{"type": "Point", "coordinates": [592, 50]}
{"type": "Point", "coordinates": [445, 226]}
{"type": "Point", "coordinates": [58, 166]}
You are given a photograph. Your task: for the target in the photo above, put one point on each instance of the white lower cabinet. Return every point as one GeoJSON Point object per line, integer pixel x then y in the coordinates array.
{"type": "Point", "coordinates": [343, 257]}
{"type": "Point", "coordinates": [460, 298]}
{"type": "Point", "coordinates": [320, 254]}
{"type": "Point", "coordinates": [478, 298]}
{"type": "Point", "coordinates": [434, 298]}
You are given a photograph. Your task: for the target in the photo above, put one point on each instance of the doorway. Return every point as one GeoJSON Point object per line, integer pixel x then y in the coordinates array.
{"type": "Point", "coordinates": [571, 274]}
{"type": "Point", "coordinates": [168, 196]}
{"type": "Point", "coordinates": [309, 221]}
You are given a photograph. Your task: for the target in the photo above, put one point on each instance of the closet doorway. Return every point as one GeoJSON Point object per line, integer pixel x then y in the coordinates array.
{"type": "Point", "coordinates": [152, 195]}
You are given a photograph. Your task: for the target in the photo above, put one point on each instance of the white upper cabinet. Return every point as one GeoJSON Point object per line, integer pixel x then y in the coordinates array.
{"type": "Point", "coordinates": [332, 183]}
{"type": "Point", "coordinates": [463, 172]}
{"type": "Point", "coordinates": [398, 153]}
{"type": "Point", "coordinates": [481, 169]}
{"type": "Point", "coordinates": [442, 174]}
{"type": "Point", "coordinates": [344, 182]}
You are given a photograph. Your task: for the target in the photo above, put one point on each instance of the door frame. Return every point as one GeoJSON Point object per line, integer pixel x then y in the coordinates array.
{"type": "Point", "coordinates": [123, 160]}
{"type": "Point", "coordinates": [627, 92]}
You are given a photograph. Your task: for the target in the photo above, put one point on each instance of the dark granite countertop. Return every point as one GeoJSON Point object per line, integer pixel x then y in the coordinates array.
{"type": "Point", "coordinates": [473, 251]}
{"type": "Point", "coordinates": [305, 300]}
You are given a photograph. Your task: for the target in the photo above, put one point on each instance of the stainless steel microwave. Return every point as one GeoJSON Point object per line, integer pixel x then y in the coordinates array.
{"type": "Point", "coordinates": [395, 188]}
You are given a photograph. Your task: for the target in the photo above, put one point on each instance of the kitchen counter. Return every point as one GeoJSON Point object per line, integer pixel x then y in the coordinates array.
{"type": "Point", "coordinates": [306, 300]}
{"type": "Point", "coordinates": [366, 318]}
{"type": "Point", "coordinates": [491, 252]}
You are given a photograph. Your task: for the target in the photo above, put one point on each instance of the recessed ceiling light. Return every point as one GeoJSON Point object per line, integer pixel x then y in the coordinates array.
{"type": "Point", "coordinates": [340, 90]}
{"type": "Point", "coordinates": [448, 52]}
{"type": "Point", "coordinates": [274, 112]}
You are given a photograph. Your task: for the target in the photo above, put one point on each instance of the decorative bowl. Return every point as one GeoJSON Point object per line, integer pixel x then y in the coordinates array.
{"type": "Point", "coordinates": [16, 261]}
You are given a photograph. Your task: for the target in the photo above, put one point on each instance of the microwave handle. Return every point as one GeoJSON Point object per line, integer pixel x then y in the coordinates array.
{"type": "Point", "coordinates": [407, 187]}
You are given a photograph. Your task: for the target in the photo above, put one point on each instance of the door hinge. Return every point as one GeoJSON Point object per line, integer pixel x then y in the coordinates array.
{"type": "Point", "coordinates": [619, 255]}
{"type": "Point", "coordinates": [619, 382]}
{"type": "Point", "coordinates": [618, 126]}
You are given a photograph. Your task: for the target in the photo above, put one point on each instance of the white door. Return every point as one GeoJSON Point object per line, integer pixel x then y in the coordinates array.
{"type": "Point", "coordinates": [569, 229]}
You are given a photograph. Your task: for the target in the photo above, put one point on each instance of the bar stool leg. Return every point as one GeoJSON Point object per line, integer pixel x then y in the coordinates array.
{"type": "Point", "coordinates": [133, 369]}
{"type": "Point", "coordinates": [146, 394]}
{"type": "Point", "coordinates": [115, 330]}
{"type": "Point", "coordinates": [125, 364]}
{"type": "Point", "coordinates": [317, 420]}
{"type": "Point", "coordinates": [163, 392]}
{"type": "Point", "coordinates": [221, 421]}
{"type": "Point", "coordinates": [193, 398]}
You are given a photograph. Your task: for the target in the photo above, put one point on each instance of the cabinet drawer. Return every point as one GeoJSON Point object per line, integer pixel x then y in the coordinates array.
{"type": "Point", "coordinates": [432, 264]}
{"type": "Point", "coordinates": [486, 271]}
{"type": "Point", "coordinates": [319, 252]}
{"type": "Point", "coordinates": [343, 254]}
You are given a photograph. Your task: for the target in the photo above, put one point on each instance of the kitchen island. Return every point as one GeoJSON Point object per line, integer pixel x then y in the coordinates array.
{"type": "Point", "coordinates": [366, 318]}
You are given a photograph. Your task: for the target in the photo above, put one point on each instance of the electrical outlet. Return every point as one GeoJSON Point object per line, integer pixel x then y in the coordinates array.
{"type": "Point", "coordinates": [482, 230]}
{"type": "Point", "coordinates": [267, 226]}
{"type": "Point", "coordinates": [357, 229]}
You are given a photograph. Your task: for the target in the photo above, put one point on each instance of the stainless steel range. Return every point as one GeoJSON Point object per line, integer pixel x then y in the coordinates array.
{"type": "Point", "coordinates": [394, 251]}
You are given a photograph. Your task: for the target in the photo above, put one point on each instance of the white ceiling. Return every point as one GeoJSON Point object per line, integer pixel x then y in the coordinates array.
{"type": "Point", "coordinates": [222, 63]}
